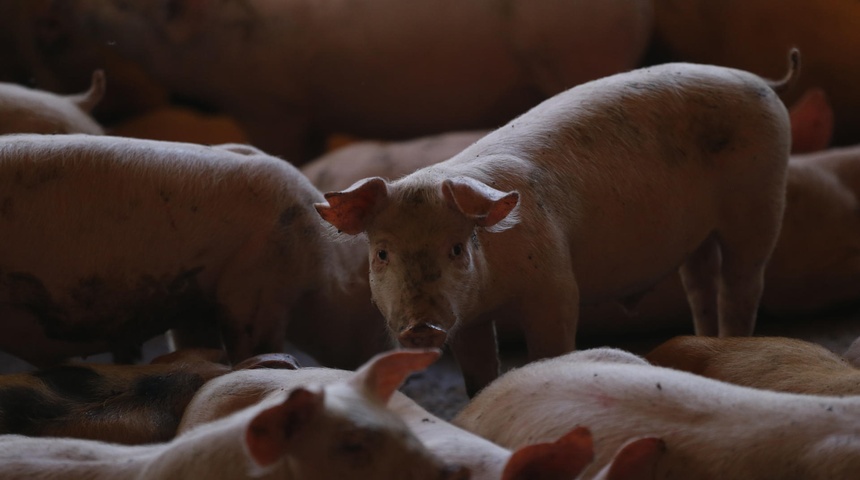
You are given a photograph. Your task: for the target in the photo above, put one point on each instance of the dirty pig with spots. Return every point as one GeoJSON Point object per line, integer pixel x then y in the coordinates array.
{"type": "Point", "coordinates": [596, 194]}
{"type": "Point", "coordinates": [111, 241]}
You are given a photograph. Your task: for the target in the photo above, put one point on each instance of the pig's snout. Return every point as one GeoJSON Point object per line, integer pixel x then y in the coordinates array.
{"type": "Point", "coordinates": [423, 335]}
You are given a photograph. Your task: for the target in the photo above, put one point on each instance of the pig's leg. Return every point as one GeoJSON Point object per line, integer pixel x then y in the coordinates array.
{"type": "Point", "coordinates": [476, 350]}
{"type": "Point", "coordinates": [549, 319]}
{"type": "Point", "coordinates": [700, 275]}
{"type": "Point", "coordinates": [254, 322]}
{"type": "Point", "coordinates": [741, 285]}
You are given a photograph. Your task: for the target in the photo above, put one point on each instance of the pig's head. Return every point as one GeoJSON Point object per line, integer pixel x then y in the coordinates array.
{"type": "Point", "coordinates": [426, 259]}
{"type": "Point", "coordinates": [346, 431]}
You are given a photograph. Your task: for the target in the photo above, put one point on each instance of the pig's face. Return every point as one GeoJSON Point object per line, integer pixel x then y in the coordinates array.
{"type": "Point", "coordinates": [425, 251]}
{"type": "Point", "coordinates": [422, 267]}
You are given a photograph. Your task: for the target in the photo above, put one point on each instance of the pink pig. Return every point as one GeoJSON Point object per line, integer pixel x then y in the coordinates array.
{"type": "Point", "coordinates": [596, 194]}
{"type": "Point", "coordinates": [27, 110]}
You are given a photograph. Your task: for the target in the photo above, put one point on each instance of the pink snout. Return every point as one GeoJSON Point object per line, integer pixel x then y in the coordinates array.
{"type": "Point", "coordinates": [423, 335]}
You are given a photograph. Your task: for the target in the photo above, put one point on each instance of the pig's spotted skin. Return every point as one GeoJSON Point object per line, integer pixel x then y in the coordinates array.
{"type": "Point", "coordinates": [66, 398]}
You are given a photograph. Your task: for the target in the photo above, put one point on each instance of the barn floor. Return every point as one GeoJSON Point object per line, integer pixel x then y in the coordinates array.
{"type": "Point", "coordinates": [440, 388]}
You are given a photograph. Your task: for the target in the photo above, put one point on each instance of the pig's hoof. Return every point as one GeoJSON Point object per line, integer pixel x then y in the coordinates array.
{"type": "Point", "coordinates": [424, 335]}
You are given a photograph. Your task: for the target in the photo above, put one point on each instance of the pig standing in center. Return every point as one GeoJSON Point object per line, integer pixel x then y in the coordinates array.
{"type": "Point", "coordinates": [596, 194]}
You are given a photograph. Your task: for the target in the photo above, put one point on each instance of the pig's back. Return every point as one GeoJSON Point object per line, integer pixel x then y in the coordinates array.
{"type": "Point", "coordinates": [90, 195]}
{"type": "Point", "coordinates": [654, 153]}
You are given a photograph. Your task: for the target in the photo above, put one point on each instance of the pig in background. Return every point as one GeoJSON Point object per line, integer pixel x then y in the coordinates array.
{"type": "Point", "coordinates": [216, 243]}
{"type": "Point", "coordinates": [711, 429]}
{"type": "Point", "coordinates": [27, 110]}
{"type": "Point", "coordinates": [549, 212]}
{"type": "Point", "coordinates": [341, 430]}
{"type": "Point", "coordinates": [129, 404]}
{"type": "Point", "coordinates": [292, 71]}
{"type": "Point", "coordinates": [752, 34]}
{"type": "Point", "coordinates": [772, 363]}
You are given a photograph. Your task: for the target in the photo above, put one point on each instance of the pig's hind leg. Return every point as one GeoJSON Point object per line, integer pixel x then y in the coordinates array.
{"type": "Point", "coordinates": [700, 274]}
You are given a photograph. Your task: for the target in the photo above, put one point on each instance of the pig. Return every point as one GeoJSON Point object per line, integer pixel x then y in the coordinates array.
{"type": "Point", "coordinates": [711, 429]}
{"type": "Point", "coordinates": [26, 110]}
{"type": "Point", "coordinates": [773, 363]}
{"type": "Point", "coordinates": [342, 430]}
{"type": "Point", "coordinates": [814, 266]}
{"type": "Point", "coordinates": [596, 194]}
{"type": "Point", "coordinates": [346, 165]}
{"type": "Point", "coordinates": [128, 404]}
{"type": "Point", "coordinates": [564, 457]}
{"type": "Point", "coordinates": [180, 124]}
{"type": "Point", "coordinates": [730, 33]}
{"type": "Point", "coordinates": [217, 244]}
{"type": "Point", "coordinates": [292, 71]}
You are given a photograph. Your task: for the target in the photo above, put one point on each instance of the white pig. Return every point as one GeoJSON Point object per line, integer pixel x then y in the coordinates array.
{"type": "Point", "coordinates": [596, 194]}
{"type": "Point", "coordinates": [288, 70]}
{"type": "Point", "coordinates": [711, 429]}
{"type": "Point", "coordinates": [110, 241]}
{"type": "Point", "coordinates": [340, 431]}
{"type": "Point", "coordinates": [565, 457]}
{"type": "Point", "coordinates": [27, 110]}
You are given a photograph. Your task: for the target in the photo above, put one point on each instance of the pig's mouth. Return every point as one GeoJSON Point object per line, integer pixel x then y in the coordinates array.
{"type": "Point", "coordinates": [422, 335]}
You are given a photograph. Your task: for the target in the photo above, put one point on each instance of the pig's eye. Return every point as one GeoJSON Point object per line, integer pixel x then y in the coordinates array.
{"type": "Point", "coordinates": [457, 250]}
{"type": "Point", "coordinates": [382, 255]}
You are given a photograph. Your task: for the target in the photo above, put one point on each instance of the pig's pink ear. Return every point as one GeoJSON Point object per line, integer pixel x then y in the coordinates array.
{"type": "Point", "coordinates": [272, 431]}
{"type": "Point", "coordinates": [563, 459]}
{"type": "Point", "coordinates": [350, 210]}
{"type": "Point", "coordinates": [811, 122]}
{"type": "Point", "coordinates": [636, 460]}
{"type": "Point", "coordinates": [478, 201]}
{"type": "Point", "coordinates": [384, 373]}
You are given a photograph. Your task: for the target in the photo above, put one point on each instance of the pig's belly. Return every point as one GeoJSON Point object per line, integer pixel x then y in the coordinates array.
{"type": "Point", "coordinates": [42, 323]}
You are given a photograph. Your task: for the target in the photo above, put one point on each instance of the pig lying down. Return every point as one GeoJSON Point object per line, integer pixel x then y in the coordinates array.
{"type": "Point", "coordinates": [131, 404]}
{"type": "Point", "coordinates": [596, 194]}
{"type": "Point", "coordinates": [564, 457]}
{"type": "Point", "coordinates": [25, 110]}
{"type": "Point", "coordinates": [774, 363]}
{"type": "Point", "coordinates": [711, 429]}
{"type": "Point", "coordinates": [340, 431]}
{"type": "Point", "coordinates": [111, 241]}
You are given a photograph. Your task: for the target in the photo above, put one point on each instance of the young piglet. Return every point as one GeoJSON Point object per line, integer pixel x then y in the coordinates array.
{"type": "Point", "coordinates": [563, 457]}
{"type": "Point", "coordinates": [162, 235]}
{"type": "Point", "coordinates": [25, 110]}
{"type": "Point", "coordinates": [596, 194]}
{"type": "Point", "coordinates": [711, 429]}
{"type": "Point", "coordinates": [340, 431]}
{"type": "Point", "coordinates": [773, 363]}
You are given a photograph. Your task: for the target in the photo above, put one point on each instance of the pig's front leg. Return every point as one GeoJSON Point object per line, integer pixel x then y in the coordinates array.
{"type": "Point", "coordinates": [549, 319]}
{"type": "Point", "coordinates": [477, 352]}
